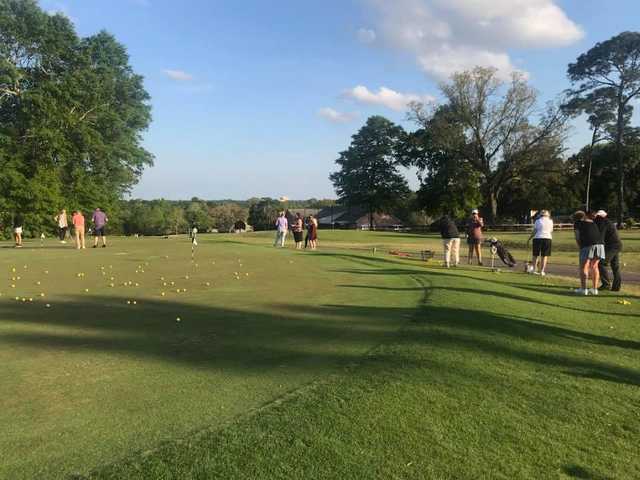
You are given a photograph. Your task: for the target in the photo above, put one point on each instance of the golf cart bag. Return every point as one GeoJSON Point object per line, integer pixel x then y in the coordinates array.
{"type": "Point", "coordinates": [503, 253]}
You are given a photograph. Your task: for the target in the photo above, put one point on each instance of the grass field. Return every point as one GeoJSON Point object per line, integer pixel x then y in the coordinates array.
{"type": "Point", "coordinates": [327, 364]}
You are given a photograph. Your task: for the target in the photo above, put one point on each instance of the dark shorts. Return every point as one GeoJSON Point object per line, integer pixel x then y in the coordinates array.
{"type": "Point", "coordinates": [297, 236]}
{"type": "Point", "coordinates": [99, 232]}
{"type": "Point", "coordinates": [541, 247]}
{"type": "Point", "coordinates": [473, 241]}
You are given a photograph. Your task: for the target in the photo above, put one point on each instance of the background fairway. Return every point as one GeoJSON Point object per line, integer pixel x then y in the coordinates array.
{"type": "Point", "coordinates": [564, 245]}
{"type": "Point", "coordinates": [327, 364]}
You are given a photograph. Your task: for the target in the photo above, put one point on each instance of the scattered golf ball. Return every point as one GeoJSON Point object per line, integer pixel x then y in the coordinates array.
{"type": "Point", "coordinates": [86, 290]}
{"type": "Point", "coordinates": [42, 294]}
{"type": "Point", "coordinates": [48, 305]}
{"type": "Point", "coordinates": [135, 303]}
{"type": "Point", "coordinates": [178, 319]}
{"type": "Point", "coordinates": [162, 294]}
{"type": "Point", "coordinates": [31, 299]}
{"type": "Point", "coordinates": [38, 282]}
{"type": "Point", "coordinates": [13, 285]}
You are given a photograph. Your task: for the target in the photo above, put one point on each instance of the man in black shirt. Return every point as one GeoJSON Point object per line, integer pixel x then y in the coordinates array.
{"type": "Point", "coordinates": [450, 241]}
{"type": "Point", "coordinates": [613, 247]}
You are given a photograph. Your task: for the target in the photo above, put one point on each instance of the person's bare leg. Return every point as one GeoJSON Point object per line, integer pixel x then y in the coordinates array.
{"type": "Point", "coordinates": [595, 273]}
{"type": "Point", "coordinates": [470, 257]}
{"type": "Point", "coordinates": [545, 260]}
{"type": "Point", "coordinates": [104, 241]}
{"type": "Point", "coordinates": [584, 274]}
{"type": "Point", "coordinates": [478, 253]}
{"type": "Point", "coordinates": [77, 238]}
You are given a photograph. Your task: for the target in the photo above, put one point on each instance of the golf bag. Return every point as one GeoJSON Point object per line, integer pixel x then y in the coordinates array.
{"type": "Point", "coordinates": [503, 253]}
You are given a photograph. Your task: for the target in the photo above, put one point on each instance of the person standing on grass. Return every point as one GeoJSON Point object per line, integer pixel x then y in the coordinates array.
{"type": "Point", "coordinates": [450, 241]}
{"type": "Point", "coordinates": [590, 240]}
{"type": "Point", "coordinates": [63, 225]}
{"type": "Point", "coordinates": [313, 232]}
{"type": "Point", "coordinates": [474, 236]}
{"type": "Point", "coordinates": [298, 230]}
{"type": "Point", "coordinates": [542, 237]}
{"type": "Point", "coordinates": [18, 226]}
{"type": "Point", "coordinates": [99, 220]}
{"type": "Point", "coordinates": [612, 250]}
{"type": "Point", "coordinates": [78, 228]}
{"type": "Point", "coordinates": [282, 226]}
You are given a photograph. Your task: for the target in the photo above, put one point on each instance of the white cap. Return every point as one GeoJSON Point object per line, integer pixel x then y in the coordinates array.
{"type": "Point", "coordinates": [601, 213]}
{"type": "Point", "coordinates": [475, 210]}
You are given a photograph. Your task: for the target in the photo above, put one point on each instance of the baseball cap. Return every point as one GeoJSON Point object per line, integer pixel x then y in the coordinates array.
{"type": "Point", "coordinates": [601, 213]}
{"type": "Point", "coordinates": [475, 210]}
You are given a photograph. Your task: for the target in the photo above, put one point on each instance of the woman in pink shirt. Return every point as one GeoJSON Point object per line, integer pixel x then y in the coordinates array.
{"type": "Point", "coordinates": [78, 227]}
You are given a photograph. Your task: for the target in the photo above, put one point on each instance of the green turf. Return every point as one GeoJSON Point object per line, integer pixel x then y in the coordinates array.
{"type": "Point", "coordinates": [333, 364]}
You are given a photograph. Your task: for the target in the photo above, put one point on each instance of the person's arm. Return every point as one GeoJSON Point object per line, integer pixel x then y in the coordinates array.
{"type": "Point", "coordinates": [481, 222]}
{"type": "Point", "coordinates": [576, 233]}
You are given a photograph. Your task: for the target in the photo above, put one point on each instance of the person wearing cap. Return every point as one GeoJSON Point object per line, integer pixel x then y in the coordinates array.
{"type": "Point", "coordinates": [542, 236]}
{"type": "Point", "coordinates": [474, 236]}
{"type": "Point", "coordinates": [612, 248]}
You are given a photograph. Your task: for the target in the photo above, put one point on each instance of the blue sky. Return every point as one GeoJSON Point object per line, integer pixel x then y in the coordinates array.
{"type": "Point", "coordinates": [257, 97]}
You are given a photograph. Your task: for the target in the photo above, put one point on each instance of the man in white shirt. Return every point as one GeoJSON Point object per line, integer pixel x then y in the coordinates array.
{"type": "Point", "coordinates": [542, 235]}
{"type": "Point", "coordinates": [282, 226]}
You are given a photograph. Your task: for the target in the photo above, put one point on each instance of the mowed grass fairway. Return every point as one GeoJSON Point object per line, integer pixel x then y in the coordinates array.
{"type": "Point", "coordinates": [327, 364]}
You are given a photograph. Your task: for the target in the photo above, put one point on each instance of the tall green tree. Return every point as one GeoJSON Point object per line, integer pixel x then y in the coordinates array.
{"type": "Point", "coordinates": [369, 175]}
{"type": "Point", "coordinates": [610, 71]}
{"type": "Point", "coordinates": [71, 116]}
{"type": "Point", "coordinates": [448, 182]}
{"type": "Point", "coordinates": [499, 140]}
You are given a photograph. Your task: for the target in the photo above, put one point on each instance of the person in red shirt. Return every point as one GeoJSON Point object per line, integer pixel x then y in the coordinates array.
{"type": "Point", "coordinates": [78, 227]}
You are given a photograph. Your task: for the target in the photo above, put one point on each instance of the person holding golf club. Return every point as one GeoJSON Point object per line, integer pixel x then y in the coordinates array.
{"type": "Point", "coordinates": [612, 250]}
{"type": "Point", "coordinates": [590, 239]}
{"type": "Point", "coordinates": [450, 241]}
{"type": "Point", "coordinates": [542, 237]}
{"type": "Point", "coordinates": [474, 236]}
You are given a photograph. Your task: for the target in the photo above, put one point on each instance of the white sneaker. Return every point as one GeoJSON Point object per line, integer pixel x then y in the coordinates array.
{"type": "Point", "coordinates": [544, 274]}
{"type": "Point", "coordinates": [536, 273]}
{"type": "Point", "coordinates": [582, 291]}
{"type": "Point", "coordinates": [593, 291]}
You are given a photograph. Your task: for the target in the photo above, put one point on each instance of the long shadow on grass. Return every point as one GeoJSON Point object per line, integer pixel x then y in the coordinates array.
{"type": "Point", "coordinates": [308, 337]}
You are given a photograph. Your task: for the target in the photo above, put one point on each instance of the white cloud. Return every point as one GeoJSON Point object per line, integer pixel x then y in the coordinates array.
{"type": "Point", "coordinates": [451, 35]}
{"type": "Point", "coordinates": [386, 97]}
{"type": "Point", "coordinates": [336, 117]}
{"type": "Point", "coordinates": [178, 75]}
{"type": "Point", "coordinates": [366, 35]}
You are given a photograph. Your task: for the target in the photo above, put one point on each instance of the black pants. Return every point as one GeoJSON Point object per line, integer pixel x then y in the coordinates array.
{"type": "Point", "coordinates": [612, 259]}
{"type": "Point", "coordinates": [62, 233]}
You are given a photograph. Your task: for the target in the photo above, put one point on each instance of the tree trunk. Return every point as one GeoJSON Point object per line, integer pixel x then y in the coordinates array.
{"type": "Point", "coordinates": [370, 219]}
{"type": "Point", "coordinates": [491, 199]}
{"type": "Point", "coordinates": [620, 161]}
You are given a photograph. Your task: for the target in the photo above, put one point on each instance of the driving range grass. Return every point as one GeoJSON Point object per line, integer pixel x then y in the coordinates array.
{"type": "Point", "coordinates": [339, 365]}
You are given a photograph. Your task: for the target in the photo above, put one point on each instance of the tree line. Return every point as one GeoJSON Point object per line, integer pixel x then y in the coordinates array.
{"type": "Point", "coordinates": [490, 144]}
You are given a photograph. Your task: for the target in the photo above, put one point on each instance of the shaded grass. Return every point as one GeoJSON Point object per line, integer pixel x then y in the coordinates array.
{"type": "Point", "coordinates": [487, 381]}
